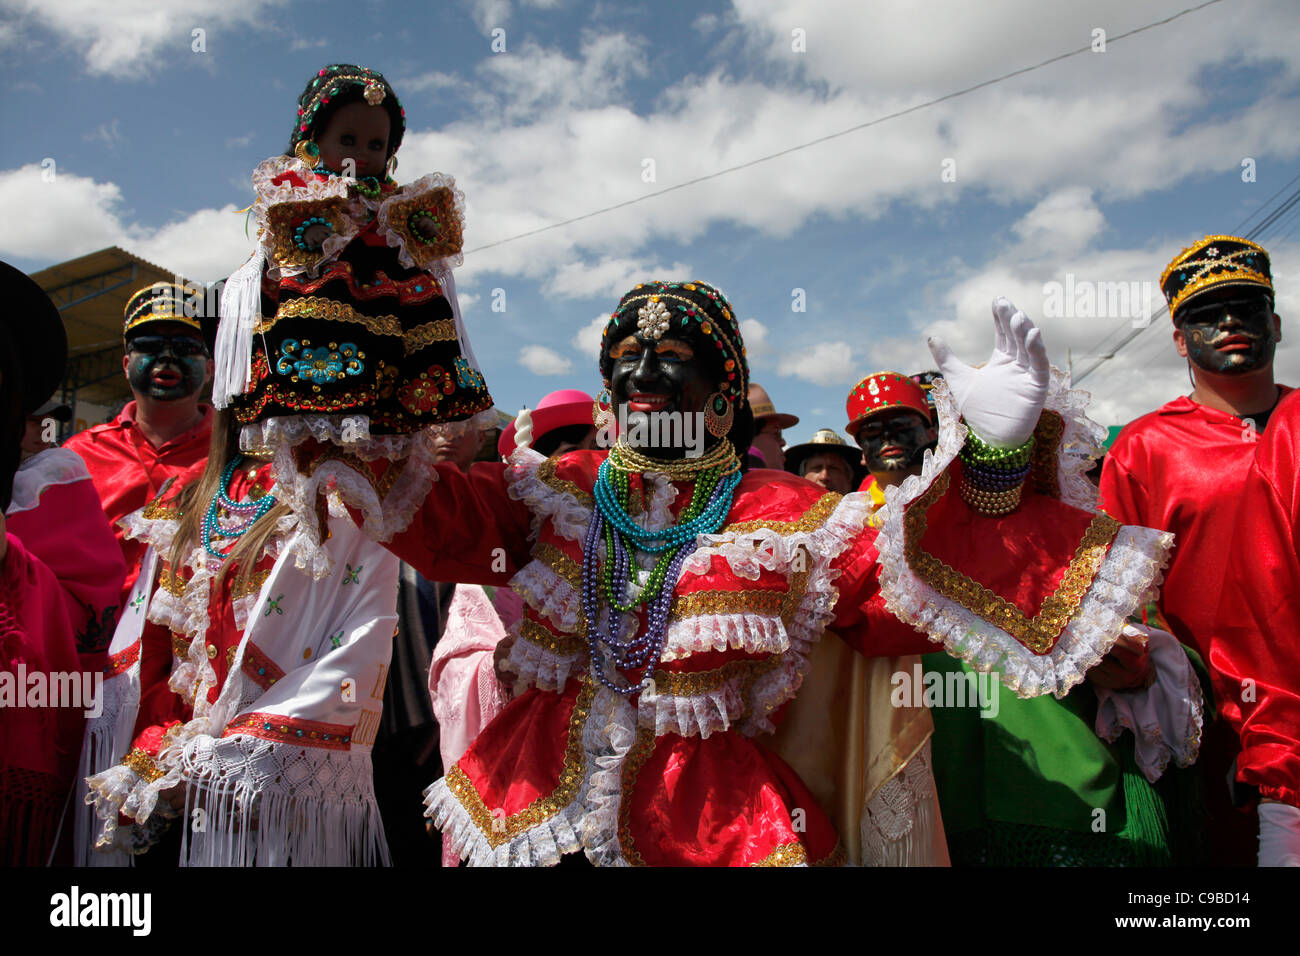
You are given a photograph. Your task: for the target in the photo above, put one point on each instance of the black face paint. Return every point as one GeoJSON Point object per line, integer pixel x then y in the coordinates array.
{"type": "Point", "coordinates": [660, 378]}
{"type": "Point", "coordinates": [895, 442]}
{"type": "Point", "coordinates": [158, 369]}
{"type": "Point", "coordinates": [1229, 335]}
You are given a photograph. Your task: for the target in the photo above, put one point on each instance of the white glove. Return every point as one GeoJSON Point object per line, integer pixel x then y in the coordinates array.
{"type": "Point", "coordinates": [1001, 401]}
{"type": "Point", "coordinates": [1279, 834]}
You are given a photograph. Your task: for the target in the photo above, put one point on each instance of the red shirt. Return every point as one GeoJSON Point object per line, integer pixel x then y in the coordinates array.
{"type": "Point", "coordinates": [1256, 646]}
{"type": "Point", "coordinates": [1180, 469]}
{"type": "Point", "coordinates": [128, 471]}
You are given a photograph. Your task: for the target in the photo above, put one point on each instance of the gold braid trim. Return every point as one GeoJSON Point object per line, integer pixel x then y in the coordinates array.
{"type": "Point", "coordinates": [443, 330]}
{"type": "Point", "coordinates": [317, 307]}
{"type": "Point", "coordinates": [728, 602]}
{"type": "Point", "coordinates": [1039, 633]}
{"type": "Point", "coordinates": [171, 582]}
{"type": "Point", "coordinates": [787, 854]}
{"type": "Point", "coordinates": [837, 857]}
{"type": "Point", "coordinates": [252, 586]}
{"type": "Point", "coordinates": [498, 830]}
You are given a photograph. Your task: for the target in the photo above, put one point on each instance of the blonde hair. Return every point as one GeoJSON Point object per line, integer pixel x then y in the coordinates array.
{"type": "Point", "coordinates": [195, 499]}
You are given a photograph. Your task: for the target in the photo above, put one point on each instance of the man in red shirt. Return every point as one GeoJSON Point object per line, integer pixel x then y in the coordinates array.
{"type": "Point", "coordinates": [1182, 467]}
{"type": "Point", "coordinates": [164, 431]}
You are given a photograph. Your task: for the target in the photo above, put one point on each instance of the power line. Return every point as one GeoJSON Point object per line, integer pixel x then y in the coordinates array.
{"type": "Point", "coordinates": [1291, 201]}
{"type": "Point", "coordinates": [1236, 231]}
{"type": "Point", "coordinates": [844, 132]}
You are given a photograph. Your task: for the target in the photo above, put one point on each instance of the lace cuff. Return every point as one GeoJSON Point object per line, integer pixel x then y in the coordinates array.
{"type": "Point", "coordinates": [1165, 718]}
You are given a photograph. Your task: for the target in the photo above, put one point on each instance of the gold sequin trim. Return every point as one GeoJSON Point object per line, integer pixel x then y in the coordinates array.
{"type": "Point", "coordinates": [1047, 441]}
{"type": "Point", "coordinates": [316, 307]}
{"type": "Point", "coordinates": [787, 854]}
{"type": "Point", "coordinates": [1039, 633]}
{"type": "Point", "coordinates": [693, 683]}
{"type": "Point", "coordinates": [559, 562]}
{"type": "Point", "coordinates": [546, 475]}
{"type": "Point", "coordinates": [170, 582]}
{"type": "Point", "coordinates": [252, 586]}
{"type": "Point", "coordinates": [443, 330]}
{"type": "Point", "coordinates": [728, 602]}
{"type": "Point", "coordinates": [564, 646]}
{"type": "Point", "coordinates": [812, 519]}
{"type": "Point", "coordinates": [501, 829]}
{"type": "Point", "coordinates": [180, 645]}
{"type": "Point", "coordinates": [632, 764]}
{"type": "Point", "coordinates": [140, 762]}
{"type": "Point", "coordinates": [157, 512]}
{"type": "Point", "coordinates": [283, 218]}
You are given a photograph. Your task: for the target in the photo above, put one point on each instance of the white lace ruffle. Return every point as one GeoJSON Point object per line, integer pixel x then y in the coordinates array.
{"type": "Point", "coordinates": [270, 194]}
{"type": "Point", "coordinates": [393, 236]}
{"type": "Point", "coordinates": [569, 516]}
{"type": "Point", "coordinates": [1081, 441]}
{"type": "Point", "coordinates": [272, 804]}
{"type": "Point", "coordinates": [1129, 575]}
{"type": "Point", "coordinates": [549, 594]}
{"type": "Point", "coordinates": [588, 822]}
{"type": "Point", "coordinates": [536, 666]}
{"type": "Point", "coordinates": [54, 466]}
{"type": "Point", "coordinates": [1165, 718]}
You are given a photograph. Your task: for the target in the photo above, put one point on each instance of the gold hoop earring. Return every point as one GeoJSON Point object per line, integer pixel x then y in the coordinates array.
{"type": "Point", "coordinates": [719, 414]}
{"type": "Point", "coordinates": [602, 412]}
{"type": "Point", "coordinates": [308, 153]}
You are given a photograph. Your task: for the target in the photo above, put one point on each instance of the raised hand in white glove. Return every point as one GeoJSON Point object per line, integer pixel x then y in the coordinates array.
{"type": "Point", "coordinates": [1001, 401]}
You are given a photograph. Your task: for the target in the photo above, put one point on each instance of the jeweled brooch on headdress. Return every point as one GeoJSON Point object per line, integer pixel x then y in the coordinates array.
{"type": "Point", "coordinates": [652, 319]}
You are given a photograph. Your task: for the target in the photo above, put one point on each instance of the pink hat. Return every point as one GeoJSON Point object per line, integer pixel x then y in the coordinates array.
{"type": "Point", "coordinates": [569, 406]}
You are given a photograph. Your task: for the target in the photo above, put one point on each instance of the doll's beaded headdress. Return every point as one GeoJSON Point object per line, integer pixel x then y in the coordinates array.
{"type": "Point", "coordinates": [338, 78]}
{"type": "Point", "coordinates": [656, 309]}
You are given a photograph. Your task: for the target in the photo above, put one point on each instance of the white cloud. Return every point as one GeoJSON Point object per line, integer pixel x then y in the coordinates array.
{"type": "Point", "coordinates": [1065, 222]}
{"type": "Point", "coordinates": [610, 277]}
{"type": "Point", "coordinates": [587, 340]}
{"type": "Point", "coordinates": [74, 215]}
{"type": "Point", "coordinates": [826, 363]}
{"type": "Point", "coordinates": [540, 360]}
{"type": "Point", "coordinates": [124, 38]}
{"type": "Point", "coordinates": [110, 134]}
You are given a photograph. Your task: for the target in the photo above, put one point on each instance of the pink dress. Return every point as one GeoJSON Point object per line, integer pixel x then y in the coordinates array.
{"type": "Point", "coordinates": [463, 683]}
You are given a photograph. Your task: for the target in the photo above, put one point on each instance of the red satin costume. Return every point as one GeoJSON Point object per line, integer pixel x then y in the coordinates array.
{"type": "Point", "coordinates": [1257, 638]}
{"type": "Point", "coordinates": [128, 472]}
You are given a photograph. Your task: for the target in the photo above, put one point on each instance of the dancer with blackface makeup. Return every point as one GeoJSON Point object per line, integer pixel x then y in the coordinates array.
{"type": "Point", "coordinates": [1181, 468]}
{"type": "Point", "coordinates": [671, 602]}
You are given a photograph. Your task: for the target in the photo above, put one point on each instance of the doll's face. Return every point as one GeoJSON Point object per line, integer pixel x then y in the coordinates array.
{"type": "Point", "coordinates": [357, 132]}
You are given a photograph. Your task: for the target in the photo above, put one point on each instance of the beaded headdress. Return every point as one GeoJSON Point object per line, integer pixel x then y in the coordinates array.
{"type": "Point", "coordinates": [1211, 263]}
{"type": "Point", "coordinates": [336, 79]}
{"type": "Point", "coordinates": [655, 309]}
{"type": "Point", "coordinates": [164, 302]}
{"type": "Point", "coordinates": [883, 392]}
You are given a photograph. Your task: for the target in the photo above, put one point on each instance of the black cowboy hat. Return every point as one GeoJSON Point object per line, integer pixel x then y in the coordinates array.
{"type": "Point", "coordinates": [36, 332]}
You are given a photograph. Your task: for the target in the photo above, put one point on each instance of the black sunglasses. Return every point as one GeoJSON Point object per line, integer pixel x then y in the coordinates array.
{"type": "Point", "coordinates": [182, 346]}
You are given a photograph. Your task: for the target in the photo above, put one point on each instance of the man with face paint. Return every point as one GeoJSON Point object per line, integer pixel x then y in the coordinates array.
{"type": "Point", "coordinates": [1182, 467]}
{"type": "Point", "coordinates": [164, 432]}
{"type": "Point", "coordinates": [890, 420]}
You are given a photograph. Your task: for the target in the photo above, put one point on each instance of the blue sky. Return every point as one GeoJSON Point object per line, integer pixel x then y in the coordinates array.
{"type": "Point", "coordinates": [1099, 167]}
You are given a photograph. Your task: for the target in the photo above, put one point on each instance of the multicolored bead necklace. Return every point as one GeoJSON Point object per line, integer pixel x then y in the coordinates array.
{"type": "Point", "coordinates": [716, 476]}
{"type": "Point", "coordinates": [250, 511]}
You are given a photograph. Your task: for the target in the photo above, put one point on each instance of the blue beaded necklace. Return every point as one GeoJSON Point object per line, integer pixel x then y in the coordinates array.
{"type": "Point", "coordinates": [609, 519]}
{"type": "Point", "coordinates": [250, 511]}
